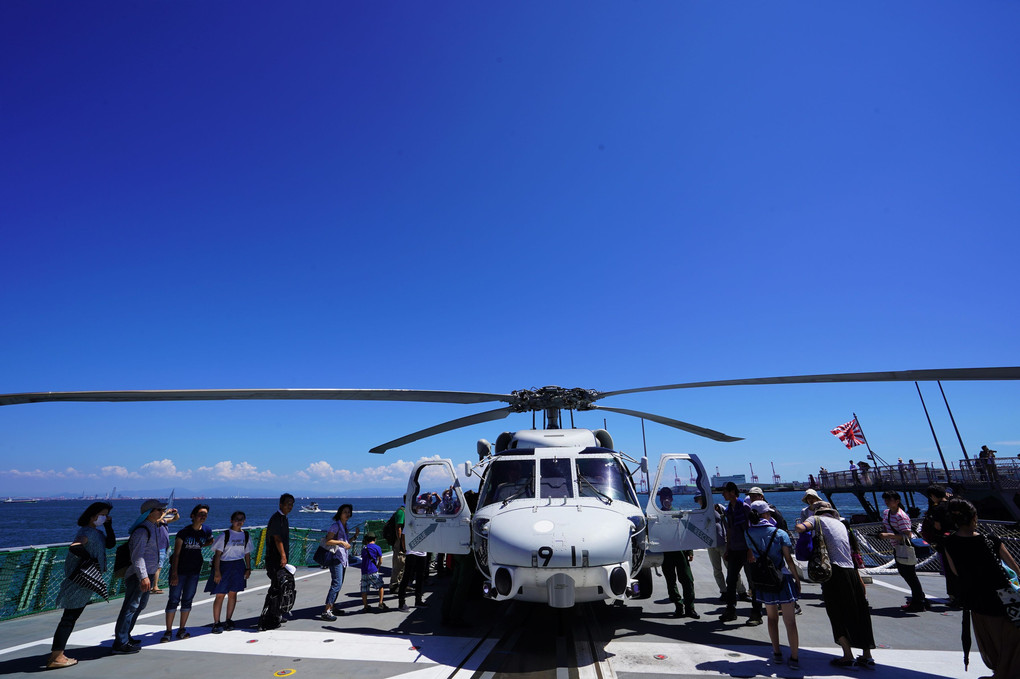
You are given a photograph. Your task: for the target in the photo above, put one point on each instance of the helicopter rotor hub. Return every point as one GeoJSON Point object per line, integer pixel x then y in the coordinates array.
{"type": "Point", "coordinates": [560, 398]}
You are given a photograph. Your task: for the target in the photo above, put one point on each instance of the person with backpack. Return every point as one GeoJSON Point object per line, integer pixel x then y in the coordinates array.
{"type": "Point", "coordinates": [778, 589]}
{"type": "Point", "coordinates": [89, 543]}
{"type": "Point", "coordinates": [143, 556]}
{"type": "Point", "coordinates": [231, 568]}
{"type": "Point", "coordinates": [185, 570]}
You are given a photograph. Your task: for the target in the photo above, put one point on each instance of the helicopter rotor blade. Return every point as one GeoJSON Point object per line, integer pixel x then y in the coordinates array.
{"type": "Point", "coordinates": [944, 374]}
{"type": "Point", "coordinates": [676, 424]}
{"type": "Point", "coordinates": [487, 416]}
{"type": "Point", "coordinates": [427, 396]}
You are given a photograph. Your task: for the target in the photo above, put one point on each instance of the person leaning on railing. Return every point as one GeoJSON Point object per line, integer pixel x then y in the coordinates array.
{"type": "Point", "coordinates": [90, 542]}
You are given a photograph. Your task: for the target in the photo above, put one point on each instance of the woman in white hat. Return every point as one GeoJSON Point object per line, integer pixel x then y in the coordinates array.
{"type": "Point", "coordinates": [769, 542]}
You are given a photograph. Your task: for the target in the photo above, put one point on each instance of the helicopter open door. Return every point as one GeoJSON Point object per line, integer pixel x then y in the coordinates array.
{"type": "Point", "coordinates": [436, 517]}
{"type": "Point", "coordinates": [676, 521]}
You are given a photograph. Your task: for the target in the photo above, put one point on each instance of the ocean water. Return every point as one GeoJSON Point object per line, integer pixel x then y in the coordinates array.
{"type": "Point", "coordinates": [54, 521]}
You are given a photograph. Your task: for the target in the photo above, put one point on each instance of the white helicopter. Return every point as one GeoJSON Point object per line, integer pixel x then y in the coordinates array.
{"type": "Point", "coordinates": [557, 519]}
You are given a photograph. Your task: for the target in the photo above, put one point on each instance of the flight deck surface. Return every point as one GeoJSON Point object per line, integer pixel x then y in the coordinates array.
{"type": "Point", "coordinates": [640, 640]}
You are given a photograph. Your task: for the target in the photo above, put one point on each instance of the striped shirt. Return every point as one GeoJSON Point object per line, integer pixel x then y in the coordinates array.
{"type": "Point", "coordinates": [897, 523]}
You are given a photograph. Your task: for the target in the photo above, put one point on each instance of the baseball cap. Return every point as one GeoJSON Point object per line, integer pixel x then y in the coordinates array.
{"type": "Point", "coordinates": [150, 505]}
{"type": "Point", "coordinates": [760, 506]}
{"type": "Point", "coordinates": [755, 490]}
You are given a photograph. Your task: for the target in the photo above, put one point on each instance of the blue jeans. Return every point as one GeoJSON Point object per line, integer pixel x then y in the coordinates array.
{"type": "Point", "coordinates": [182, 593]}
{"type": "Point", "coordinates": [336, 575]}
{"type": "Point", "coordinates": [134, 603]}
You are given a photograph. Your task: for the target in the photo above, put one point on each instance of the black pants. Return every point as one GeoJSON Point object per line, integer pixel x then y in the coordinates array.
{"type": "Point", "coordinates": [909, 573]}
{"type": "Point", "coordinates": [736, 561]}
{"type": "Point", "coordinates": [65, 627]}
{"type": "Point", "coordinates": [676, 567]}
{"type": "Point", "coordinates": [414, 569]}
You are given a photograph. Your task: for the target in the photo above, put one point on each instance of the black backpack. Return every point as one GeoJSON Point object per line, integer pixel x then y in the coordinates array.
{"type": "Point", "coordinates": [226, 538]}
{"type": "Point", "coordinates": [389, 531]}
{"type": "Point", "coordinates": [122, 557]}
{"type": "Point", "coordinates": [763, 573]}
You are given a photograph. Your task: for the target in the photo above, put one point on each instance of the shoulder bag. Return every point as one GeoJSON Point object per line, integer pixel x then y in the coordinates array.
{"type": "Point", "coordinates": [87, 574]}
{"type": "Point", "coordinates": [1010, 594]}
{"type": "Point", "coordinates": [819, 566]}
{"type": "Point", "coordinates": [904, 551]}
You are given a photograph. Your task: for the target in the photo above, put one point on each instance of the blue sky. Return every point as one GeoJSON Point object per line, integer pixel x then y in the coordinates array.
{"type": "Point", "coordinates": [483, 197]}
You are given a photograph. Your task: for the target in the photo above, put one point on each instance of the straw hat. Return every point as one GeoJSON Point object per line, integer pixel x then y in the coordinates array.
{"type": "Point", "coordinates": [824, 508]}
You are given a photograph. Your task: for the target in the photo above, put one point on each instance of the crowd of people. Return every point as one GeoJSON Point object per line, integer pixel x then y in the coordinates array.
{"type": "Point", "coordinates": [749, 532]}
{"type": "Point", "coordinates": [149, 549]}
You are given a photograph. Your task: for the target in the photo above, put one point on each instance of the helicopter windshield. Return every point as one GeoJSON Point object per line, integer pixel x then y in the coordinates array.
{"type": "Point", "coordinates": [603, 478]}
{"type": "Point", "coordinates": [555, 480]}
{"type": "Point", "coordinates": [508, 480]}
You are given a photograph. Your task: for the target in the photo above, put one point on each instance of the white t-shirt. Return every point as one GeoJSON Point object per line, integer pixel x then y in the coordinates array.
{"type": "Point", "coordinates": [236, 549]}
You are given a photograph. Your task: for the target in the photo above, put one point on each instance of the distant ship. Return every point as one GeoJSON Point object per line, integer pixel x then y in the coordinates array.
{"type": "Point", "coordinates": [19, 499]}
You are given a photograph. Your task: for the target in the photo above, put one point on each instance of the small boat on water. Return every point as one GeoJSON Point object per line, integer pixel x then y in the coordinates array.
{"type": "Point", "coordinates": [313, 507]}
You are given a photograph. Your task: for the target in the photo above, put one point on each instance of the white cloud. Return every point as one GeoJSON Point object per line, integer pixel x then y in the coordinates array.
{"type": "Point", "coordinates": [67, 473]}
{"type": "Point", "coordinates": [396, 472]}
{"type": "Point", "coordinates": [228, 471]}
{"type": "Point", "coordinates": [119, 472]}
{"type": "Point", "coordinates": [164, 468]}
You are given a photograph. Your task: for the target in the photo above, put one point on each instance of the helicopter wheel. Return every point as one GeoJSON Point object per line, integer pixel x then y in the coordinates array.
{"type": "Point", "coordinates": [644, 580]}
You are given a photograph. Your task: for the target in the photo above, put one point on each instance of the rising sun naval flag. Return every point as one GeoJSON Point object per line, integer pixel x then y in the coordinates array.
{"type": "Point", "coordinates": [850, 433]}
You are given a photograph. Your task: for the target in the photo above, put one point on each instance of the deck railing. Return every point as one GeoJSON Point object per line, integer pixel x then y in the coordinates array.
{"type": "Point", "coordinates": [30, 577]}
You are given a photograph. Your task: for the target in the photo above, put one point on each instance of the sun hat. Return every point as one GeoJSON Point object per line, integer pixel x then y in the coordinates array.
{"type": "Point", "coordinates": [824, 508]}
{"type": "Point", "coordinates": [755, 490]}
{"type": "Point", "coordinates": [810, 492]}
{"type": "Point", "coordinates": [760, 506]}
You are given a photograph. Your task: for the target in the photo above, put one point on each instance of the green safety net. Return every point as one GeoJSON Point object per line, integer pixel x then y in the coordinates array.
{"type": "Point", "coordinates": [30, 577]}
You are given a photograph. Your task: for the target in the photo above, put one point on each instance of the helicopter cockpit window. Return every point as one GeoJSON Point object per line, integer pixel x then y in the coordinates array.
{"type": "Point", "coordinates": [508, 480]}
{"type": "Point", "coordinates": [554, 481]}
{"type": "Point", "coordinates": [602, 477]}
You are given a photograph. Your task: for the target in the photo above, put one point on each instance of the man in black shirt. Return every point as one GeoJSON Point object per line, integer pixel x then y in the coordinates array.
{"type": "Point", "coordinates": [278, 537]}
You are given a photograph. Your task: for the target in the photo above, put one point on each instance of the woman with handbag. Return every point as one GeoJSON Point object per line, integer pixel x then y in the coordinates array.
{"type": "Point", "coordinates": [983, 586]}
{"type": "Point", "coordinates": [898, 530]}
{"type": "Point", "coordinates": [846, 603]}
{"type": "Point", "coordinates": [90, 543]}
{"type": "Point", "coordinates": [336, 543]}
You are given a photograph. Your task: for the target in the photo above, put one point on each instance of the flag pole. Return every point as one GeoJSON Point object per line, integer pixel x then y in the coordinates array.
{"type": "Point", "coordinates": [932, 427]}
{"type": "Point", "coordinates": [871, 453]}
{"type": "Point", "coordinates": [959, 438]}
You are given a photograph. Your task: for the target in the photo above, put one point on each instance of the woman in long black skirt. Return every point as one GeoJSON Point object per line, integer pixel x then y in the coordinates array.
{"type": "Point", "coordinates": [846, 602]}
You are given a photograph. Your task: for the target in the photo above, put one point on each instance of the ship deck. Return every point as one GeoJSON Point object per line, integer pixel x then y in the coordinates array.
{"type": "Point", "coordinates": [637, 641]}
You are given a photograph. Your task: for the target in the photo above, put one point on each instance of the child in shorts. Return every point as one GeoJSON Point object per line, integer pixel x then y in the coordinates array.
{"type": "Point", "coordinates": [371, 556]}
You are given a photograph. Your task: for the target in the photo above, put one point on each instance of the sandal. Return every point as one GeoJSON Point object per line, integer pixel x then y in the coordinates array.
{"type": "Point", "coordinates": [868, 663]}
{"type": "Point", "coordinates": [183, 634]}
{"type": "Point", "coordinates": [156, 591]}
{"type": "Point", "coordinates": [55, 664]}
{"type": "Point", "coordinates": [793, 663]}
{"type": "Point", "coordinates": [841, 662]}
{"type": "Point", "coordinates": [777, 658]}
{"type": "Point", "coordinates": [165, 639]}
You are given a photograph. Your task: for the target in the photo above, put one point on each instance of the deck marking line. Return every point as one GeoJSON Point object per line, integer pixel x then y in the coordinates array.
{"type": "Point", "coordinates": [49, 640]}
